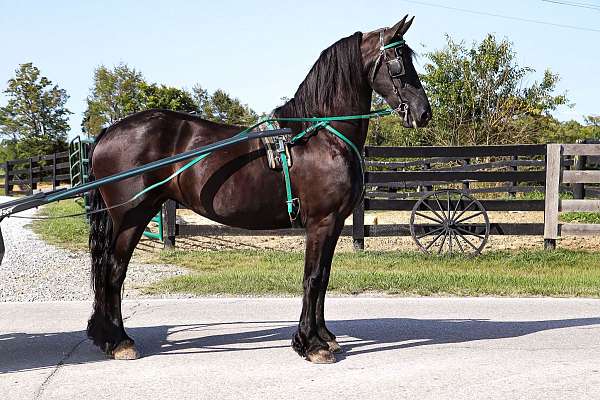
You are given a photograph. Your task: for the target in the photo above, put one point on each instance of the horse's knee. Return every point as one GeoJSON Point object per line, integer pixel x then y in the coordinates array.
{"type": "Point", "coordinates": [312, 283]}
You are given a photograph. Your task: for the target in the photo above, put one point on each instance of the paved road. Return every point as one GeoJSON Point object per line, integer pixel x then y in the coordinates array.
{"type": "Point", "coordinates": [426, 348]}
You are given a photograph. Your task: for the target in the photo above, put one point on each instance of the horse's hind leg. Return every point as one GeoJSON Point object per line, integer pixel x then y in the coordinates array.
{"type": "Point", "coordinates": [321, 238]}
{"type": "Point", "coordinates": [105, 326]}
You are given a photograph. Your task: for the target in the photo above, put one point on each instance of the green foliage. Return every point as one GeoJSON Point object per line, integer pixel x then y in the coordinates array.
{"type": "Point", "coordinates": [166, 97]}
{"type": "Point", "coordinates": [115, 94]}
{"type": "Point", "coordinates": [479, 95]}
{"type": "Point", "coordinates": [221, 107]}
{"type": "Point", "coordinates": [571, 131]}
{"type": "Point", "coordinates": [122, 90]}
{"type": "Point", "coordinates": [34, 120]}
{"type": "Point", "coordinates": [581, 217]}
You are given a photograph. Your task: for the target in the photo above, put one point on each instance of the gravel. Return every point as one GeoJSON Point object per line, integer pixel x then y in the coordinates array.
{"type": "Point", "coordinates": [33, 270]}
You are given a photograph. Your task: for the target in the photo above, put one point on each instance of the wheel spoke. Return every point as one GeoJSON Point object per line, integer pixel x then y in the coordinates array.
{"type": "Point", "coordinates": [435, 212]}
{"type": "Point", "coordinates": [478, 213]}
{"type": "Point", "coordinates": [470, 233]}
{"type": "Point", "coordinates": [428, 217]}
{"type": "Point", "coordinates": [458, 241]}
{"type": "Point", "coordinates": [468, 242]}
{"type": "Point", "coordinates": [448, 203]}
{"type": "Point", "coordinates": [443, 242]}
{"type": "Point", "coordinates": [456, 207]}
{"type": "Point", "coordinates": [449, 239]}
{"type": "Point", "coordinates": [430, 232]}
{"type": "Point", "coordinates": [466, 208]}
{"type": "Point", "coordinates": [440, 206]}
{"type": "Point", "coordinates": [434, 240]}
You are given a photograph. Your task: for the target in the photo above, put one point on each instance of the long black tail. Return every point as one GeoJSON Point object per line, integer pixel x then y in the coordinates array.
{"type": "Point", "coordinates": [101, 237]}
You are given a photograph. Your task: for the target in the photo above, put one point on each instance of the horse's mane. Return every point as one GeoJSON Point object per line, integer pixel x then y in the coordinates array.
{"type": "Point", "coordinates": [334, 79]}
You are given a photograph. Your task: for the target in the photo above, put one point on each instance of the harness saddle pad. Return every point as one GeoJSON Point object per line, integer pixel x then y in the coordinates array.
{"type": "Point", "coordinates": [274, 144]}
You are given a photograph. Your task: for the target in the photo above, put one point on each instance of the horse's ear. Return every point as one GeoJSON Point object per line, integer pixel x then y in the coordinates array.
{"type": "Point", "coordinates": [401, 27]}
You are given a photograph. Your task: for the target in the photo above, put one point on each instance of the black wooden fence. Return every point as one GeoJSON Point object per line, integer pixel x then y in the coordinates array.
{"type": "Point", "coordinates": [396, 177]}
{"type": "Point", "coordinates": [23, 176]}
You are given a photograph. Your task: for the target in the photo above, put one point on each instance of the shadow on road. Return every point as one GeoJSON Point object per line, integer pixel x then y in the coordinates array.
{"type": "Point", "coordinates": [24, 351]}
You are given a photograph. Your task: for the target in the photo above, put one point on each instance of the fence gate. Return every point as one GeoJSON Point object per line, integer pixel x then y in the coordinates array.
{"type": "Point", "coordinates": [79, 162]}
{"type": "Point", "coordinates": [554, 204]}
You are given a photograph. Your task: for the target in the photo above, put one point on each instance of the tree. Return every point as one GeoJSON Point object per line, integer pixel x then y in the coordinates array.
{"type": "Point", "coordinates": [221, 107]}
{"type": "Point", "coordinates": [122, 90]}
{"type": "Point", "coordinates": [35, 120]}
{"type": "Point", "coordinates": [479, 97]}
{"type": "Point", "coordinates": [166, 97]}
{"type": "Point", "coordinates": [116, 93]}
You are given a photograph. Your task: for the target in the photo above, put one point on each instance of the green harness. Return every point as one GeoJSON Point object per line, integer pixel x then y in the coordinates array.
{"type": "Point", "coordinates": [293, 204]}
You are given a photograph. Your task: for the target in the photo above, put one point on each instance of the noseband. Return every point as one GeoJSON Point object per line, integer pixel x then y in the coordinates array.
{"type": "Point", "coordinates": [395, 69]}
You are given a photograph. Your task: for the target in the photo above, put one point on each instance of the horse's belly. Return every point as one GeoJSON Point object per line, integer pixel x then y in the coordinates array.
{"type": "Point", "coordinates": [251, 198]}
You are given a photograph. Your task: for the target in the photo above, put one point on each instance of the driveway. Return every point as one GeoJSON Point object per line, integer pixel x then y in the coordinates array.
{"type": "Point", "coordinates": [238, 348]}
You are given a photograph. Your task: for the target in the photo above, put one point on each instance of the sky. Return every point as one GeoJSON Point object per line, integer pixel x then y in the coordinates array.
{"type": "Point", "coordinates": [259, 51]}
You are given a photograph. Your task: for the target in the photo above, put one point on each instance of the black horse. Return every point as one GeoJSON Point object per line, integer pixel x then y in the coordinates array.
{"type": "Point", "coordinates": [236, 186]}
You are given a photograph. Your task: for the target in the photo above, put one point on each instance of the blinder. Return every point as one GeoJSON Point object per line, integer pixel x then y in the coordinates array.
{"type": "Point", "coordinates": [396, 65]}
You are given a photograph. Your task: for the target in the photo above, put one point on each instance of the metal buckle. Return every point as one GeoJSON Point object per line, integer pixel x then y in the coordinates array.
{"type": "Point", "coordinates": [295, 202]}
{"type": "Point", "coordinates": [280, 144]}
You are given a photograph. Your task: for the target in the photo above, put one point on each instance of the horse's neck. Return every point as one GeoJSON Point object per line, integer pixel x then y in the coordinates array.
{"type": "Point", "coordinates": [355, 130]}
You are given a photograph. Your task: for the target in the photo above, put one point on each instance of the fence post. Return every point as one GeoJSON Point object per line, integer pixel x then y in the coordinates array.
{"type": "Point", "coordinates": [465, 184]}
{"type": "Point", "coordinates": [170, 223]}
{"type": "Point", "coordinates": [54, 171]}
{"type": "Point", "coordinates": [7, 178]}
{"type": "Point", "coordinates": [513, 184]}
{"type": "Point", "coordinates": [358, 226]}
{"type": "Point", "coordinates": [31, 187]}
{"type": "Point", "coordinates": [553, 173]}
{"type": "Point", "coordinates": [427, 168]}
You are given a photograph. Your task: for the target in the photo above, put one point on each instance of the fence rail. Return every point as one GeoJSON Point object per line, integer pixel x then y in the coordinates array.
{"type": "Point", "coordinates": [555, 175]}
{"type": "Point", "coordinates": [23, 176]}
{"type": "Point", "coordinates": [396, 177]}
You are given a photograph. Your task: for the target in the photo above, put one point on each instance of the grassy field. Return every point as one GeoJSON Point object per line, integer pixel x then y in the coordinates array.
{"type": "Point", "coordinates": [263, 272]}
{"type": "Point", "coordinates": [70, 233]}
{"type": "Point", "coordinates": [525, 273]}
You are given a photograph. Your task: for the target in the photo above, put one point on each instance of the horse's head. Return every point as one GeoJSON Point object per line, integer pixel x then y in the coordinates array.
{"type": "Point", "coordinates": [391, 73]}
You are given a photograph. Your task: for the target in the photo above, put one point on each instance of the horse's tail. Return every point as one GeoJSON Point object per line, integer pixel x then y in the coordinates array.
{"type": "Point", "coordinates": [100, 242]}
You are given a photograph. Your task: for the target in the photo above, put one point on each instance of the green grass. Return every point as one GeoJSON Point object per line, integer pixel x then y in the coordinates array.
{"type": "Point", "coordinates": [522, 273]}
{"type": "Point", "coordinates": [525, 273]}
{"type": "Point", "coordinates": [581, 217]}
{"type": "Point", "coordinates": [71, 233]}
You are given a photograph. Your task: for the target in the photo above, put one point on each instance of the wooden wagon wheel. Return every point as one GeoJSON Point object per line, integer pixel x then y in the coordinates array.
{"type": "Point", "coordinates": [449, 221]}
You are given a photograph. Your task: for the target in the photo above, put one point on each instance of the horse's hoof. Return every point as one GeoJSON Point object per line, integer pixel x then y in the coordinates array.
{"type": "Point", "coordinates": [334, 346]}
{"type": "Point", "coordinates": [321, 357]}
{"type": "Point", "coordinates": [125, 351]}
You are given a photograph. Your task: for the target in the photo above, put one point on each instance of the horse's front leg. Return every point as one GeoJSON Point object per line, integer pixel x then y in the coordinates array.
{"type": "Point", "coordinates": [321, 238]}
{"type": "Point", "coordinates": [323, 331]}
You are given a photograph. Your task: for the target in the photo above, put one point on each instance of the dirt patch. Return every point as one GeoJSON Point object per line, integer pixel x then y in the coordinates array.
{"type": "Point", "coordinates": [399, 243]}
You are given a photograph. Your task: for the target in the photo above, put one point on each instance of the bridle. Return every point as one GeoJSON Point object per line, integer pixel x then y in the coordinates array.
{"type": "Point", "coordinates": [395, 69]}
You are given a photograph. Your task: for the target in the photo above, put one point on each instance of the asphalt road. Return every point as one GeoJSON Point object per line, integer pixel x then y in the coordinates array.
{"type": "Point", "coordinates": [221, 348]}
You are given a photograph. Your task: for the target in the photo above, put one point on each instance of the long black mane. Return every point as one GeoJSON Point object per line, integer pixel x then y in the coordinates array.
{"type": "Point", "coordinates": [335, 79]}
